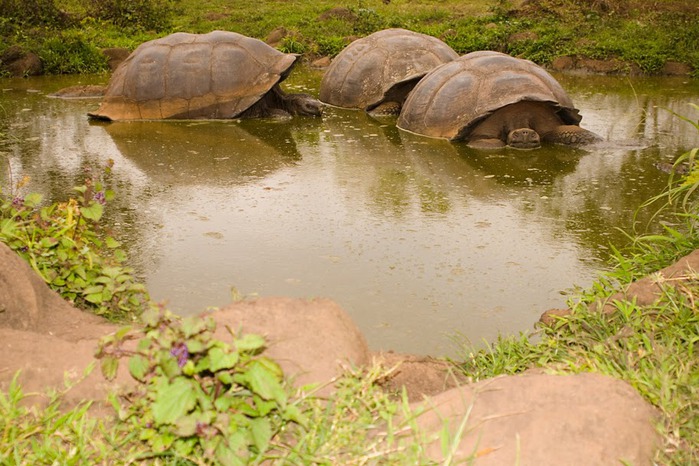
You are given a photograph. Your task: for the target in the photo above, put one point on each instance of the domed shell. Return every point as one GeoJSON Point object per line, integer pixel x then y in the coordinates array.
{"type": "Point", "coordinates": [364, 71]}
{"type": "Point", "coordinates": [188, 76]}
{"type": "Point", "coordinates": [455, 97]}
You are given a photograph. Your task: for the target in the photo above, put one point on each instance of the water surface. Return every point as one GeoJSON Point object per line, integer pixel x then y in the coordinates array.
{"type": "Point", "coordinates": [416, 238]}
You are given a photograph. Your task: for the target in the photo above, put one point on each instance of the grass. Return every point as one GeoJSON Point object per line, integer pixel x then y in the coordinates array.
{"type": "Point", "coordinates": [647, 33]}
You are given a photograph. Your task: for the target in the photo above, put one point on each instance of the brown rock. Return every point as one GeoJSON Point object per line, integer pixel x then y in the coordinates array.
{"type": "Point", "coordinates": [27, 303]}
{"type": "Point", "coordinates": [115, 56]}
{"type": "Point", "coordinates": [313, 340]}
{"type": "Point", "coordinates": [537, 419]}
{"type": "Point", "coordinates": [563, 63]}
{"type": "Point", "coordinates": [276, 36]}
{"type": "Point", "coordinates": [17, 62]}
{"type": "Point", "coordinates": [322, 62]}
{"type": "Point", "coordinates": [420, 376]}
{"type": "Point", "coordinates": [674, 68]}
{"type": "Point", "coordinates": [47, 362]}
{"type": "Point", "coordinates": [46, 338]}
{"type": "Point", "coordinates": [338, 12]}
{"type": "Point", "coordinates": [549, 317]}
{"type": "Point", "coordinates": [523, 36]}
{"type": "Point", "coordinates": [649, 289]}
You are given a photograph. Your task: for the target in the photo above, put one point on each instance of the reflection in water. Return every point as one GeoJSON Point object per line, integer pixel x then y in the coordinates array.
{"type": "Point", "coordinates": [416, 238]}
{"type": "Point", "coordinates": [203, 153]}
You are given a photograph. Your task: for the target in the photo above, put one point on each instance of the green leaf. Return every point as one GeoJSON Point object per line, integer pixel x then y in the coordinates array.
{"type": "Point", "coordinates": [219, 359]}
{"type": "Point", "coordinates": [48, 242]}
{"type": "Point", "coordinates": [264, 381]}
{"type": "Point", "coordinates": [185, 447]}
{"type": "Point", "coordinates": [227, 456]}
{"type": "Point", "coordinates": [33, 199]}
{"type": "Point", "coordinates": [196, 346]}
{"type": "Point", "coordinates": [294, 414]}
{"type": "Point", "coordinates": [186, 426]}
{"type": "Point", "coordinates": [173, 400]}
{"type": "Point", "coordinates": [168, 364]}
{"type": "Point", "coordinates": [7, 227]}
{"type": "Point", "coordinates": [95, 298]}
{"type": "Point", "coordinates": [109, 366]}
{"type": "Point", "coordinates": [261, 430]}
{"type": "Point", "coordinates": [250, 342]}
{"type": "Point", "coordinates": [138, 367]}
{"type": "Point", "coordinates": [192, 325]}
{"type": "Point", "coordinates": [94, 211]}
{"type": "Point", "coordinates": [150, 317]}
{"type": "Point", "coordinates": [225, 378]}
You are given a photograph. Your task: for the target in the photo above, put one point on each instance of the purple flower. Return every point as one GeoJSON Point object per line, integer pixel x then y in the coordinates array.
{"type": "Point", "coordinates": [18, 202]}
{"type": "Point", "coordinates": [99, 197]}
{"type": "Point", "coordinates": [181, 352]}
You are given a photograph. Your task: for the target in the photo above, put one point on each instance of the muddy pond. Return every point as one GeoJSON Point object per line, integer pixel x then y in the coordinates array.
{"type": "Point", "coordinates": [417, 239]}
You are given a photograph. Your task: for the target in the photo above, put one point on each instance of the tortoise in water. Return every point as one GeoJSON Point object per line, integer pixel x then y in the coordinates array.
{"type": "Point", "coordinates": [195, 76]}
{"type": "Point", "coordinates": [80, 91]}
{"type": "Point", "coordinates": [492, 100]}
{"type": "Point", "coordinates": [376, 73]}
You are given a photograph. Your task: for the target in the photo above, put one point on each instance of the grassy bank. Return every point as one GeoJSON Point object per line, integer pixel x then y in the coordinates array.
{"type": "Point", "coordinates": [67, 34]}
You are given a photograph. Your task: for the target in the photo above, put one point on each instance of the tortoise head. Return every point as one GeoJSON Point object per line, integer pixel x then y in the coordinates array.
{"type": "Point", "coordinates": [523, 138]}
{"type": "Point", "coordinates": [303, 104]}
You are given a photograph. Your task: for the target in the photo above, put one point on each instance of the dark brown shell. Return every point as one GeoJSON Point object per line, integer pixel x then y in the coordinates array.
{"type": "Point", "coordinates": [458, 95]}
{"type": "Point", "coordinates": [184, 76]}
{"type": "Point", "coordinates": [362, 74]}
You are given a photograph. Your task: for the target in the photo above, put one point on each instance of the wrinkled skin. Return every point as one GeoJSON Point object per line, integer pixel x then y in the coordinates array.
{"type": "Point", "coordinates": [277, 104]}
{"type": "Point", "coordinates": [525, 125]}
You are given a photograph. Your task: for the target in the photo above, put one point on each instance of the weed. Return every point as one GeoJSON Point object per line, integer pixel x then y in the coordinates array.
{"type": "Point", "coordinates": [49, 435]}
{"type": "Point", "coordinates": [64, 244]}
{"type": "Point", "coordinates": [200, 397]}
{"type": "Point", "coordinates": [149, 15]}
{"type": "Point", "coordinates": [70, 53]}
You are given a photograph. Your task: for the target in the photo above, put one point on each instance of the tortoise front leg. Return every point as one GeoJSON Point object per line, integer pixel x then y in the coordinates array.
{"type": "Point", "coordinates": [571, 135]}
{"type": "Point", "coordinates": [486, 143]}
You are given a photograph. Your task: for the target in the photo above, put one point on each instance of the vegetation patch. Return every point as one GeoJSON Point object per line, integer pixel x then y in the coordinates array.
{"type": "Point", "coordinates": [66, 244]}
{"type": "Point", "coordinates": [647, 33]}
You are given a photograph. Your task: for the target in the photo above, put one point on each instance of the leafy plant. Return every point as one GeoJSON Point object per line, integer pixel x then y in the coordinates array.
{"type": "Point", "coordinates": [70, 53]}
{"type": "Point", "coordinates": [292, 44]}
{"type": "Point", "coordinates": [198, 397]}
{"type": "Point", "coordinates": [65, 245]}
{"type": "Point", "coordinates": [153, 15]}
{"type": "Point", "coordinates": [33, 13]}
{"type": "Point", "coordinates": [52, 435]}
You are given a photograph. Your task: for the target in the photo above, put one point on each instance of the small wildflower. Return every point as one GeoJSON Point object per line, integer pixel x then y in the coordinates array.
{"type": "Point", "coordinates": [18, 202]}
{"type": "Point", "coordinates": [181, 352]}
{"type": "Point", "coordinates": [100, 197]}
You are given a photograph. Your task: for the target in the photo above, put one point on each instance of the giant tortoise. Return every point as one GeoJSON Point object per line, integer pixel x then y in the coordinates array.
{"type": "Point", "coordinates": [490, 100]}
{"type": "Point", "coordinates": [203, 76]}
{"type": "Point", "coordinates": [376, 72]}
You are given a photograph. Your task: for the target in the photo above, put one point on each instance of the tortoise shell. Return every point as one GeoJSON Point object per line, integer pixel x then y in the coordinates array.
{"type": "Point", "coordinates": [454, 97]}
{"type": "Point", "coordinates": [189, 76]}
{"type": "Point", "coordinates": [364, 72]}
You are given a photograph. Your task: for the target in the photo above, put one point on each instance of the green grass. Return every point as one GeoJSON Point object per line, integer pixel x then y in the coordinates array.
{"type": "Point", "coordinates": [647, 33]}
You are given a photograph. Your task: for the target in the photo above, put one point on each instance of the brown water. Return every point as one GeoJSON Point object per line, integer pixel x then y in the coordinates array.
{"type": "Point", "coordinates": [418, 239]}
